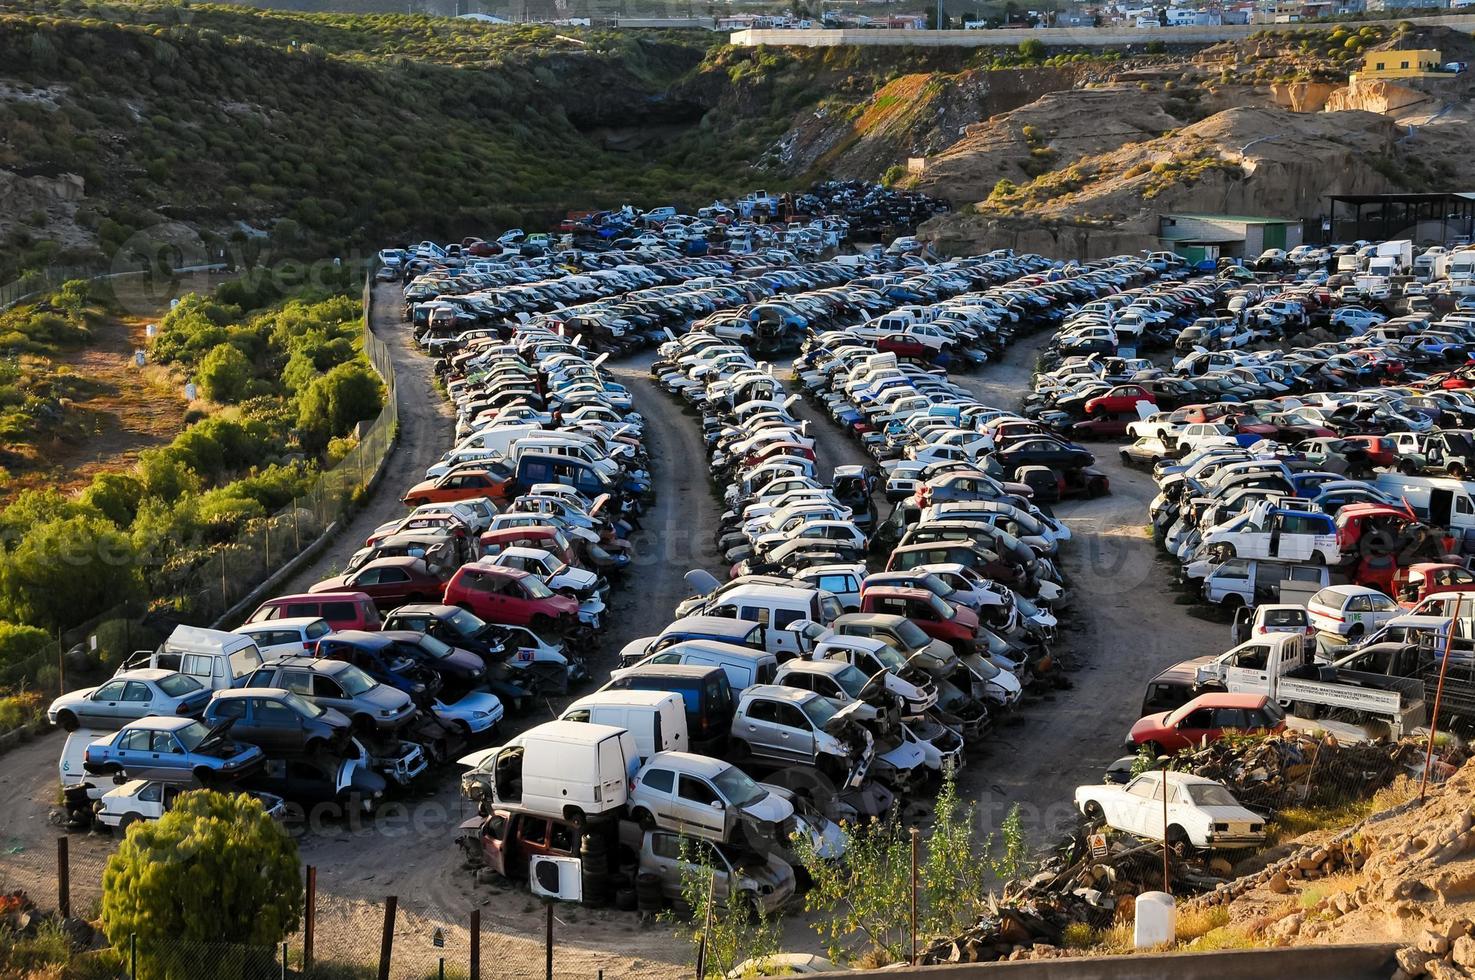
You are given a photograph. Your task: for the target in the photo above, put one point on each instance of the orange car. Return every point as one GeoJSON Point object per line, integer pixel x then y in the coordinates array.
{"type": "Point", "coordinates": [458, 485]}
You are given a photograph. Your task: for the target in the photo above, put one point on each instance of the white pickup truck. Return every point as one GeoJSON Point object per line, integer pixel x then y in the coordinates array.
{"type": "Point", "coordinates": [1279, 666]}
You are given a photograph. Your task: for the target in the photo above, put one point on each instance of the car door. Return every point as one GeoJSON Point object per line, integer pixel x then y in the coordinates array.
{"type": "Point", "coordinates": [103, 707]}
{"type": "Point", "coordinates": [759, 728]}
{"type": "Point", "coordinates": [167, 758]}
{"type": "Point", "coordinates": [274, 726]}
{"type": "Point", "coordinates": [1247, 671]}
{"type": "Point", "coordinates": [1195, 727]}
{"type": "Point", "coordinates": [698, 807]}
{"type": "Point", "coordinates": [132, 751]}
{"type": "Point", "coordinates": [1132, 809]}
{"type": "Point", "coordinates": [795, 733]}
{"type": "Point", "coordinates": [136, 702]}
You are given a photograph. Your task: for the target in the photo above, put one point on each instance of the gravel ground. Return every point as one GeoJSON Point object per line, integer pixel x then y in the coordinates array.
{"type": "Point", "coordinates": [1124, 626]}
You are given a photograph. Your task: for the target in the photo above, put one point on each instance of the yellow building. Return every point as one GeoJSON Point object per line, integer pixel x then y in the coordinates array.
{"type": "Point", "coordinates": [1416, 63]}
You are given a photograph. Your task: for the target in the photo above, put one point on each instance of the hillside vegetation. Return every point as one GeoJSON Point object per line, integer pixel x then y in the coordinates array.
{"type": "Point", "coordinates": [326, 130]}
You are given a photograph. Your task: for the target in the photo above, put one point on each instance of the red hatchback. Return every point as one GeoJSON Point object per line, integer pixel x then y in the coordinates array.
{"type": "Point", "coordinates": [935, 616]}
{"type": "Point", "coordinates": [510, 596]}
{"type": "Point", "coordinates": [389, 582]}
{"type": "Point", "coordinates": [1123, 400]}
{"type": "Point", "coordinates": [1205, 719]}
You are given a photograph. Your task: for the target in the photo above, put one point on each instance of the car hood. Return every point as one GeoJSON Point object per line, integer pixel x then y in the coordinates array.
{"type": "Point", "coordinates": [386, 697]}
{"type": "Point", "coordinates": [1149, 723]}
{"type": "Point", "coordinates": [338, 583]}
{"type": "Point", "coordinates": [772, 808]}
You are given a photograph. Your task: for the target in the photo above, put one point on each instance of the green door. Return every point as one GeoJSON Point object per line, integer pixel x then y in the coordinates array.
{"type": "Point", "coordinates": [1275, 236]}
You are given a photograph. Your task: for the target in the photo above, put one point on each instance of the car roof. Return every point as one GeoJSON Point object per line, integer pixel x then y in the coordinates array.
{"type": "Point", "coordinates": [142, 674]}
{"type": "Point", "coordinates": [711, 626]}
{"type": "Point", "coordinates": [275, 624]}
{"type": "Point", "coordinates": [252, 692]}
{"type": "Point", "coordinates": [160, 723]}
{"type": "Point", "coordinates": [435, 609]}
{"type": "Point", "coordinates": [1222, 700]}
{"type": "Point", "coordinates": [701, 765]}
{"type": "Point", "coordinates": [361, 638]}
{"type": "Point", "coordinates": [779, 692]}
{"type": "Point", "coordinates": [316, 597]}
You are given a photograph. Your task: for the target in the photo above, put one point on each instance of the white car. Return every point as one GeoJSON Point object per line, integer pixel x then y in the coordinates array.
{"type": "Point", "coordinates": [1350, 610]}
{"type": "Point", "coordinates": [294, 636]}
{"type": "Point", "coordinates": [703, 797]}
{"type": "Point", "coordinates": [146, 799]}
{"type": "Point", "coordinates": [1201, 813]}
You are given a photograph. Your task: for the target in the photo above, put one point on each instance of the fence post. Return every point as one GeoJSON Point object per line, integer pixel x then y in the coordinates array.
{"type": "Point", "coordinates": [386, 940]}
{"type": "Point", "coordinates": [63, 879]}
{"type": "Point", "coordinates": [475, 944]}
{"type": "Point", "coordinates": [284, 959]}
{"type": "Point", "coordinates": [310, 923]}
{"type": "Point", "coordinates": [133, 956]}
{"type": "Point", "coordinates": [548, 940]}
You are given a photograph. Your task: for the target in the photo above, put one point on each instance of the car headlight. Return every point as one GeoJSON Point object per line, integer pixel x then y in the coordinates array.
{"type": "Point", "coordinates": [481, 714]}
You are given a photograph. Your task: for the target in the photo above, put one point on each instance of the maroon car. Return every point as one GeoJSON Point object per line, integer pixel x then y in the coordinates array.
{"type": "Point", "coordinates": [390, 582]}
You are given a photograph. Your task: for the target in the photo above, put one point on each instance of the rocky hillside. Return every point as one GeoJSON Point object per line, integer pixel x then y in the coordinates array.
{"type": "Point", "coordinates": [328, 131]}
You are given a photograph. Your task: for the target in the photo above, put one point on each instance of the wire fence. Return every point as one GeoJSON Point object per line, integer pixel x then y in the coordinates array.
{"type": "Point", "coordinates": [205, 582]}
{"type": "Point", "coordinates": [494, 932]}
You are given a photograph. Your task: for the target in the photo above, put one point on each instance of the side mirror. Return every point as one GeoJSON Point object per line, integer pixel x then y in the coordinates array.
{"type": "Point", "coordinates": [718, 805]}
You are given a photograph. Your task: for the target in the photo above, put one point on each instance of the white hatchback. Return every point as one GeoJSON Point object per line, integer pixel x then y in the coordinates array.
{"type": "Point", "coordinates": [1350, 610]}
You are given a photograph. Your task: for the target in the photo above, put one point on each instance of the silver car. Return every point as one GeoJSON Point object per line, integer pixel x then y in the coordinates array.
{"type": "Point", "coordinates": [129, 696]}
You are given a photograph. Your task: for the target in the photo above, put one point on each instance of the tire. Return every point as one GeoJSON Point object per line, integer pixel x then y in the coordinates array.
{"type": "Point", "coordinates": [67, 721]}
{"type": "Point", "coordinates": [205, 777]}
{"type": "Point", "coordinates": [644, 818]}
{"type": "Point", "coordinates": [128, 820]}
{"type": "Point", "coordinates": [1156, 748]}
{"type": "Point", "coordinates": [1179, 843]}
{"type": "Point", "coordinates": [1457, 471]}
{"type": "Point", "coordinates": [1093, 812]}
{"type": "Point", "coordinates": [1407, 468]}
{"type": "Point", "coordinates": [1355, 631]}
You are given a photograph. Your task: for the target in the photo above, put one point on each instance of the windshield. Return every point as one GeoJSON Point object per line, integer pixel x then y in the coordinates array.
{"type": "Point", "coordinates": [178, 685]}
{"type": "Point", "coordinates": [192, 735]}
{"type": "Point", "coordinates": [737, 788]}
{"type": "Point", "coordinates": [911, 635]}
{"type": "Point", "coordinates": [354, 681]}
{"type": "Point", "coordinates": [438, 649]}
{"type": "Point", "coordinates": [941, 609]}
{"type": "Point", "coordinates": [851, 681]}
{"type": "Point", "coordinates": [933, 583]}
{"type": "Point", "coordinates": [819, 710]}
{"type": "Point", "coordinates": [1208, 795]}
{"type": "Point", "coordinates": [535, 589]}
{"type": "Point", "coordinates": [302, 706]}
{"type": "Point", "coordinates": [890, 657]}
{"type": "Point", "coordinates": [465, 623]}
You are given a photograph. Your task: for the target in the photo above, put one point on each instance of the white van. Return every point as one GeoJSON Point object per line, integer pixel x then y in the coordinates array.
{"type": "Point", "coordinates": [744, 666]}
{"type": "Point", "coordinates": [789, 615]}
{"type": "Point", "coordinates": [657, 719]}
{"type": "Point", "coordinates": [69, 767]}
{"type": "Point", "coordinates": [565, 769]}
{"type": "Point", "coordinates": [217, 659]}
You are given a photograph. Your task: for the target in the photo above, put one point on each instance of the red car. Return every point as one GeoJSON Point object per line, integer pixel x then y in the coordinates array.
{"type": "Point", "coordinates": [1381, 450]}
{"type": "Point", "coordinates": [459, 485]}
{"type": "Point", "coordinates": [390, 582]}
{"type": "Point", "coordinates": [510, 596]}
{"type": "Point", "coordinates": [1121, 400]}
{"type": "Point", "coordinates": [342, 610]}
{"type": "Point", "coordinates": [938, 618]}
{"type": "Point", "coordinates": [1205, 719]}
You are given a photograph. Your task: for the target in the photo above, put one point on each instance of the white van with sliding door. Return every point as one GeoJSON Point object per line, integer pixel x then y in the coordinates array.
{"type": "Point", "coordinates": [560, 769]}
{"type": "Point", "coordinates": [657, 719]}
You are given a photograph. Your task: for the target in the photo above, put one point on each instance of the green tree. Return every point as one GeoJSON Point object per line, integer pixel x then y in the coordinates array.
{"type": "Point", "coordinates": [1032, 49]}
{"type": "Point", "coordinates": [869, 898]}
{"type": "Point", "coordinates": [214, 870]}
{"type": "Point", "coordinates": [20, 643]}
{"type": "Point", "coordinates": [335, 402]}
{"type": "Point", "coordinates": [64, 571]}
{"type": "Point", "coordinates": [114, 495]}
{"type": "Point", "coordinates": [739, 930]}
{"type": "Point", "coordinates": [223, 374]}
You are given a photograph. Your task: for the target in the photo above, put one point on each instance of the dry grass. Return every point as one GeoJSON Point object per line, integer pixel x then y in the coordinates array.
{"type": "Point", "coordinates": [1293, 822]}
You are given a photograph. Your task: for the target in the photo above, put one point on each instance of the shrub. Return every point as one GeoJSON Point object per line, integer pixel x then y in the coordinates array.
{"type": "Point", "coordinates": [334, 403]}
{"type": "Point", "coordinates": [114, 495]}
{"type": "Point", "coordinates": [1032, 49]}
{"type": "Point", "coordinates": [65, 570]}
{"type": "Point", "coordinates": [19, 644]}
{"type": "Point", "coordinates": [223, 374]}
{"type": "Point", "coordinates": [214, 870]}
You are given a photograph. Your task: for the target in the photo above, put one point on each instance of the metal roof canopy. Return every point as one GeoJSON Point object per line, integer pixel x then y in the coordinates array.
{"type": "Point", "coordinates": [1396, 215]}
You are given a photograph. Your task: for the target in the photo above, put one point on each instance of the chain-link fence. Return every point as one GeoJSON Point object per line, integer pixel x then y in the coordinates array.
{"type": "Point", "coordinates": [491, 933]}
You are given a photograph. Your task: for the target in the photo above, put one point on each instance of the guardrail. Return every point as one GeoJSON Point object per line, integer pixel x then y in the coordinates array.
{"type": "Point", "coordinates": [1063, 36]}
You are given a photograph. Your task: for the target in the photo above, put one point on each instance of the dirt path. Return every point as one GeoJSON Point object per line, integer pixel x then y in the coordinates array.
{"type": "Point", "coordinates": [120, 410]}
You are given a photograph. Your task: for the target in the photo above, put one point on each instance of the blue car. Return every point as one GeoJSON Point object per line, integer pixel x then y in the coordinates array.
{"type": "Point", "coordinates": [172, 750]}
{"type": "Point", "coordinates": [379, 656]}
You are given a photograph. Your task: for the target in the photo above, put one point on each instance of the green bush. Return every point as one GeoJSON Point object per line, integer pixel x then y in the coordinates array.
{"type": "Point", "coordinates": [19, 644]}
{"type": "Point", "coordinates": [223, 374]}
{"type": "Point", "coordinates": [336, 402]}
{"type": "Point", "coordinates": [66, 567]}
{"type": "Point", "coordinates": [115, 495]}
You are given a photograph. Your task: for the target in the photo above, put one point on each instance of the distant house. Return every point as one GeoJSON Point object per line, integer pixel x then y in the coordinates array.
{"type": "Point", "coordinates": [1414, 63]}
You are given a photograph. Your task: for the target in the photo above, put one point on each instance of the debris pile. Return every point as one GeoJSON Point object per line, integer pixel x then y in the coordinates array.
{"type": "Point", "coordinates": [1297, 768]}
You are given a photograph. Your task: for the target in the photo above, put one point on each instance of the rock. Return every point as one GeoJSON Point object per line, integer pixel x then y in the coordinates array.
{"type": "Point", "coordinates": [1412, 961]}
{"type": "Point", "coordinates": [1432, 943]}
{"type": "Point", "coordinates": [1464, 951]}
{"type": "Point", "coordinates": [1278, 884]}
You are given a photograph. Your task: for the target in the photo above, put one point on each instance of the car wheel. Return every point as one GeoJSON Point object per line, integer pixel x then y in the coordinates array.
{"type": "Point", "coordinates": [1156, 748]}
{"type": "Point", "coordinates": [128, 820]}
{"type": "Point", "coordinates": [67, 721]}
{"type": "Point", "coordinates": [205, 777]}
{"type": "Point", "coordinates": [1093, 812]}
{"type": "Point", "coordinates": [1179, 843]}
{"type": "Point", "coordinates": [1407, 468]}
{"type": "Point", "coordinates": [1355, 631]}
{"type": "Point", "coordinates": [643, 818]}
{"type": "Point", "coordinates": [1457, 471]}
